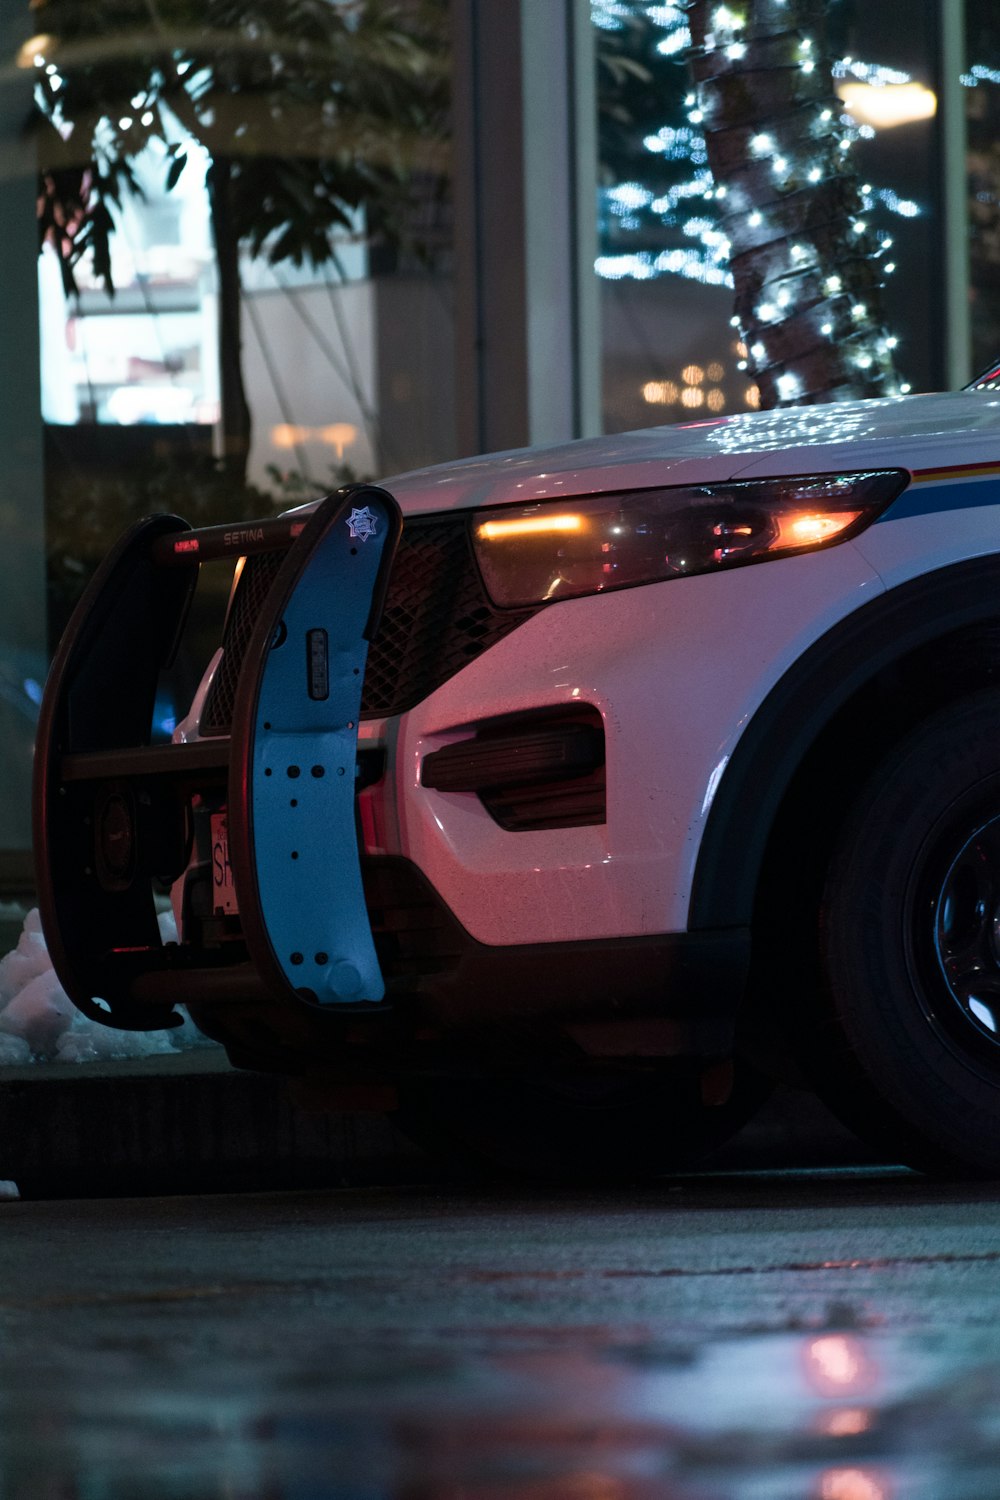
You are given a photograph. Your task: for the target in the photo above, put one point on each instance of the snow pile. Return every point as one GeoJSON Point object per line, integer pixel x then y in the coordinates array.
{"type": "Point", "coordinates": [39, 1023]}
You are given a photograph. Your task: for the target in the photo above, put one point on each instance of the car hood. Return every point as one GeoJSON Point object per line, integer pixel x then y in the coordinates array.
{"type": "Point", "coordinates": [917, 433]}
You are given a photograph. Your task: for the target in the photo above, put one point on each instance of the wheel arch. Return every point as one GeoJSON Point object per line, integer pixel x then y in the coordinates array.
{"type": "Point", "coordinates": [862, 685]}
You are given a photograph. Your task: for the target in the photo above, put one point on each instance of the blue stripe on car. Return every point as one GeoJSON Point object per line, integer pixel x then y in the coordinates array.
{"type": "Point", "coordinates": [929, 499]}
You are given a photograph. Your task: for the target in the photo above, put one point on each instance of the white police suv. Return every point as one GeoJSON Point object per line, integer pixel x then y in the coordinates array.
{"type": "Point", "coordinates": [566, 795]}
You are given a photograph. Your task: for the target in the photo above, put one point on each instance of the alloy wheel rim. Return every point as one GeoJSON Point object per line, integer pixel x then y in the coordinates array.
{"type": "Point", "coordinates": [966, 938]}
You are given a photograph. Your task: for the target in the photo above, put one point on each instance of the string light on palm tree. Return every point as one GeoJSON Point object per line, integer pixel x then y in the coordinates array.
{"type": "Point", "coordinates": [823, 152]}
{"type": "Point", "coordinates": [807, 268]}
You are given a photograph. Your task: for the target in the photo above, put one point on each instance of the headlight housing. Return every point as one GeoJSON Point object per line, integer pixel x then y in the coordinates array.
{"type": "Point", "coordinates": [559, 550]}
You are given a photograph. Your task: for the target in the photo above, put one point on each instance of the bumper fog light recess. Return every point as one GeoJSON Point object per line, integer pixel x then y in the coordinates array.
{"type": "Point", "coordinates": [538, 771]}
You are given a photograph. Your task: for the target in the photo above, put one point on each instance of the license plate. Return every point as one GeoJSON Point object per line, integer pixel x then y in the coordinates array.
{"type": "Point", "coordinates": [223, 890]}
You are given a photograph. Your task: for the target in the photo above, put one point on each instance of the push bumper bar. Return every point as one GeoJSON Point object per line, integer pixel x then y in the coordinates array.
{"type": "Point", "coordinates": [111, 810]}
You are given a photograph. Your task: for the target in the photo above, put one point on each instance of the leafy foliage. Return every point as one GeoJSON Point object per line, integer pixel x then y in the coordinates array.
{"type": "Point", "coordinates": [322, 107]}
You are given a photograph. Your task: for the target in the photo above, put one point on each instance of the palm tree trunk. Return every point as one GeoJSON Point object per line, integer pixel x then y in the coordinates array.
{"type": "Point", "coordinates": [805, 265]}
{"type": "Point", "coordinates": [235, 410]}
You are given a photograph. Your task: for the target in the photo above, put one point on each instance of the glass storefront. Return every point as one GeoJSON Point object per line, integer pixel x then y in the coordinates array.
{"type": "Point", "coordinates": [245, 270]}
{"type": "Point", "coordinates": [668, 350]}
{"type": "Point", "coordinates": [982, 85]}
{"type": "Point", "coordinates": [669, 353]}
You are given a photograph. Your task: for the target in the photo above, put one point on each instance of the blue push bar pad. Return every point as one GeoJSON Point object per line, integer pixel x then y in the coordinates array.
{"type": "Point", "coordinates": [292, 816]}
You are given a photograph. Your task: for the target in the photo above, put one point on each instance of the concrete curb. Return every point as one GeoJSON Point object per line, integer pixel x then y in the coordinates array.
{"type": "Point", "coordinates": [190, 1123]}
{"type": "Point", "coordinates": [182, 1124]}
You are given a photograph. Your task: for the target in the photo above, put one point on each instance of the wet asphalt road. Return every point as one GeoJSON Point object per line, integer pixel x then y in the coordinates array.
{"type": "Point", "coordinates": [817, 1336]}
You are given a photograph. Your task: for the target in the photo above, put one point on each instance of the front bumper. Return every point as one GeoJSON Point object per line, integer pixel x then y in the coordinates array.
{"type": "Point", "coordinates": [672, 994]}
{"type": "Point", "coordinates": [673, 672]}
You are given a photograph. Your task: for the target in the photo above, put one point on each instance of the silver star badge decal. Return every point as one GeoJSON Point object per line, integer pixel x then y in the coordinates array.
{"type": "Point", "coordinates": [362, 524]}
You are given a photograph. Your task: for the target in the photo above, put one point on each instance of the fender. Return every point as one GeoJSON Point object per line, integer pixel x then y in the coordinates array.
{"type": "Point", "coordinates": [801, 705]}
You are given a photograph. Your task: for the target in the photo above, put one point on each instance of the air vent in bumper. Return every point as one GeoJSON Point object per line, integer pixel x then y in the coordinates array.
{"type": "Point", "coordinates": [535, 771]}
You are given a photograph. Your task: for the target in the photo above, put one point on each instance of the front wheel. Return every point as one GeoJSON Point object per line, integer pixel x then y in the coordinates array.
{"type": "Point", "coordinates": [906, 1041]}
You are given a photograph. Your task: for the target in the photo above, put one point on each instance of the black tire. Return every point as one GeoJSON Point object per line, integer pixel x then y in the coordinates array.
{"type": "Point", "coordinates": [609, 1125]}
{"type": "Point", "coordinates": [905, 1043]}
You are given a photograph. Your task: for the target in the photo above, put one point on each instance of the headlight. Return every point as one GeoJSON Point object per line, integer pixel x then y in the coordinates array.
{"type": "Point", "coordinates": [533, 553]}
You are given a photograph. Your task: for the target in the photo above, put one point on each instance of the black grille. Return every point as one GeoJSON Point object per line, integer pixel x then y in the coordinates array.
{"type": "Point", "coordinates": [259, 572]}
{"type": "Point", "coordinates": [437, 618]}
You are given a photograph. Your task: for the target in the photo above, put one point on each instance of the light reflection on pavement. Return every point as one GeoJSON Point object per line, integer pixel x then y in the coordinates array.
{"type": "Point", "coordinates": [740, 1420]}
{"type": "Point", "coordinates": [404, 1348]}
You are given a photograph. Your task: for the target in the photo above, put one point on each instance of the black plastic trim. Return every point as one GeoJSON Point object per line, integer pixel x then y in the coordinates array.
{"type": "Point", "coordinates": [237, 539]}
{"type": "Point", "coordinates": [695, 979]}
{"type": "Point", "coordinates": [802, 704]}
{"type": "Point", "coordinates": [147, 760]}
{"type": "Point", "coordinates": [517, 758]}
